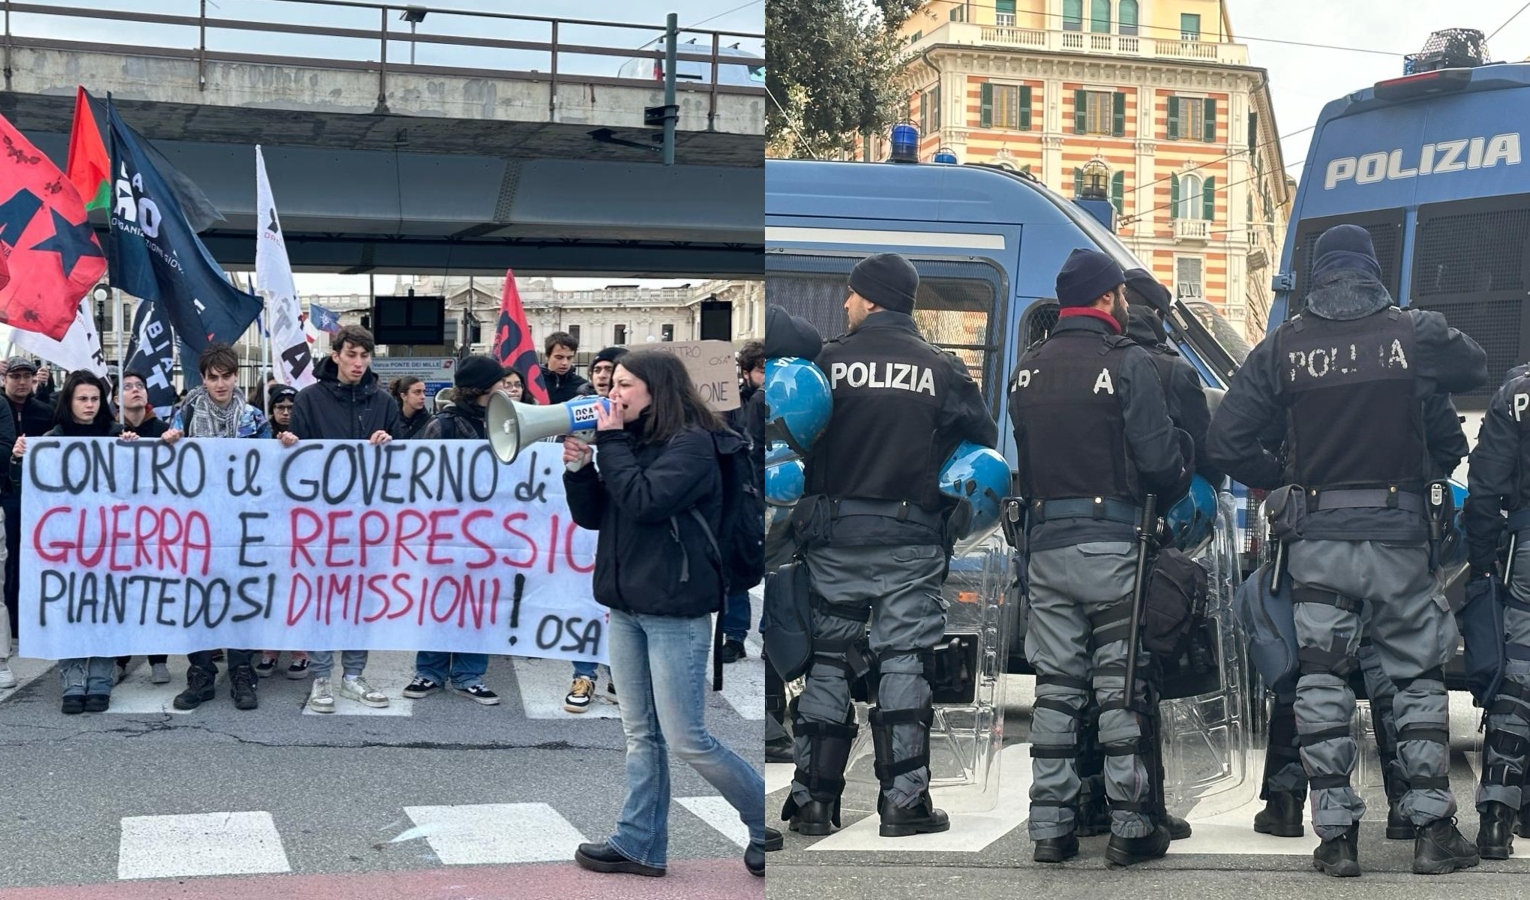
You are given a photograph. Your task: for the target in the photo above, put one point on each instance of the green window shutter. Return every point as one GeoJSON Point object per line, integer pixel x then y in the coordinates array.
{"type": "Point", "coordinates": [934, 99]}
{"type": "Point", "coordinates": [985, 117]}
{"type": "Point", "coordinates": [1173, 118]}
{"type": "Point", "coordinates": [1209, 200]}
{"type": "Point", "coordinates": [1118, 123]}
{"type": "Point", "coordinates": [1173, 196]}
{"type": "Point", "coordinates": [1013, 95]}
{"type": "Point", "coordinates": [1118, 193]}
{"type": "Point", "coordinates": [1253, 139]}
{"type": "Point", "coordinates": [924, 114]}
{"type": "Point", "coordinates": [1211, 121]}
{"type": "Point", "coordinates": [1025, 109]}
{"type": "Point", "coordinates": [1078, 184]}
{"type": "Point", "coordinates": [1081, 112]}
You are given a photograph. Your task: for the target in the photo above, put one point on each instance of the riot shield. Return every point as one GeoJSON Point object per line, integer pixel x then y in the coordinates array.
{"type": "Point", "coordinates": [968, 730]}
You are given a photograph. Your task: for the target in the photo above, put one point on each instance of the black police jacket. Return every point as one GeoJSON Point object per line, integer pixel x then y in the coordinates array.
{"type": "Point", "coordinates": [901, 406]}
{"type": "Point", "coordinates": [652, 556]}
{"type": "Point", "coordinates": [1442, 360]}
{"type": "Point", "coordinates": [1182, 391]}
{"type": "Point", "coordinates": [1149, 447]}
{"type": "Point", "coordinates": [1500, 463]}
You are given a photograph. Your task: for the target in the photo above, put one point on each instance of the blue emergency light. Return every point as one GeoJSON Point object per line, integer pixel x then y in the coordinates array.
{"type": "Point", "coordinates": [946, 156]}
{"type": "Point", "coordinates": [905, 144]}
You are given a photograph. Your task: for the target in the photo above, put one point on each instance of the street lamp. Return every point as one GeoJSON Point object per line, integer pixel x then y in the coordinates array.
{"type": "Point", "coordinates": [414, 15]}
{"type": "Point", "coordinates": [1096, 181]}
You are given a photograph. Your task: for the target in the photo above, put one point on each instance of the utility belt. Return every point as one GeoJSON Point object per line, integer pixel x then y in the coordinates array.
{"type": "Point", "coordinates": [814, 517]}
{"type": "Point", "coordinates": [1098, 508]}
{"type": "Point", "coordinates": [1287, 507]}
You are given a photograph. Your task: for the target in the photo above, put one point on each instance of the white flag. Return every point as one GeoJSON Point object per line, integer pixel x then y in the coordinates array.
{"type": "Point", "coordinates": [274, 272]}
{"type": "Point", "coordinates": [80, 348]}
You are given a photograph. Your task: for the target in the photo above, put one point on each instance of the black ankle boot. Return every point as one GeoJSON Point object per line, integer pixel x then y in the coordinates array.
{"type": "Point", "coordinates": [814, 818]}
{"type": "Point", "coordinates": [1440, 849]}
{"type": "Point", "coordinates": [921, 818]}
{"type": "Point", "coordinates": [1495, 835]}
{"type": "Point", "coordinates": [1056, 850]}
{"type": "Point", "coordinates": [1523, 828]}
{"type": "Point", "coordinates": [242, 687]}
{"type": "Point", "coordinates": [1282, 814]}
{"type": "Point", "coordinates": [199, 689]}
{"type": "Point", "coordinates": [1179, 829]}
{"type": "Point", "coordinates": [1340, 856]}
{"type": "Point", "coordinates": [1130, 851]}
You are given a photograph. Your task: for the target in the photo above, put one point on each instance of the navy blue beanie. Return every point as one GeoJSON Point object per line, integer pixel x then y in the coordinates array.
{"type": "Point", "coordinates": [1345, 248]}
{"type": "Point", "coordinates": [1087, 276]}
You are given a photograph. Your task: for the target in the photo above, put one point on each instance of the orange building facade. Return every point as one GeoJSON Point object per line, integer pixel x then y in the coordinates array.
{"type": "Point", "coordinates": [1179, 117]}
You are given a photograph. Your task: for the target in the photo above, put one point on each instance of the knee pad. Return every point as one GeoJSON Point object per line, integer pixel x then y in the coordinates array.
{"type": "Point", "coordinates": [1510, 750]}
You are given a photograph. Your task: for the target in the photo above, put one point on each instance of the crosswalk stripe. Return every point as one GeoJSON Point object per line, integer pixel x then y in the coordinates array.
{"type": "Point", "coordinates": [720, 814]}
{"type": "Point", "coordinates": [544, 683]}
{"type": "Point", "coordinates": [778, 776]}
{"type": "Point", "coordinates": [26, 671]}
{"type": "Point", "coordinates": [180, 846]}
{"type": "Point", "coordinates": [136, 695]}
{"type": "Point", "coordinates": [494, 833]}
{"type": "Point", "coordinates": [744, 682]}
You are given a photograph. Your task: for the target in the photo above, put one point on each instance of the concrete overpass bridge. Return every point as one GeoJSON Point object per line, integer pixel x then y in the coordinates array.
{"type": "Point", "coordinates": [385, 166]}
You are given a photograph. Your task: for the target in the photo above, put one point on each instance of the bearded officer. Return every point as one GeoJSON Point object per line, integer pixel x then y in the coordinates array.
{"type": "Point", "coordinates": [1349, 377]}
{"type": "Point", "coordinates": [1499, 479]}
{"type": "Point", "coordinates": [1093, 436]}
{"type": "Point", "coordinates": [873, 531]}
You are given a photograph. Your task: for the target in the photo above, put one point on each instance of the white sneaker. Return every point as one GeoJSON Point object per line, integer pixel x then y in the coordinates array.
{"type": "Point", "coordinates": [320, 700]}
{"type": "Point", "coordinates": [7, 679]}
{"type": "Point", "coordinates": [357, 689]}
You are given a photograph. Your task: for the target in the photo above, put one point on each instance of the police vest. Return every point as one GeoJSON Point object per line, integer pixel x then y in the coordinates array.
{"type": "Point", "coordinates": [883, 440]}
{"type": "Point", "coordinates": [1066, 392]}
{"type": "Point", "coordinates": [1518, 396]}
{"type": "Point", "coordinates": [1351, 416]}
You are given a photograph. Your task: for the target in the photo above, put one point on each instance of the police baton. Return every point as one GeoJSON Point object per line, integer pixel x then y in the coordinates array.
{"type": "Point", "coordinates": [1508, 564]}
{"type": "Point", "coordinates": [1146, 532]}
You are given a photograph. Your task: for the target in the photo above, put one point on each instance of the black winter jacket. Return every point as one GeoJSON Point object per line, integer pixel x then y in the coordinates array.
{"type": "Point", "coordinates": [652, 556]}
{"type": "Point", "coordinates": [338, 411]}
{"type": "Point", "coordinates": [1182, 390]}
{"type": "Point", "coordinates": [410, 428]}
{"type": "Point", "coordinates": [31, 419]}
{"type": "Point", "coordinates": [563, 388]}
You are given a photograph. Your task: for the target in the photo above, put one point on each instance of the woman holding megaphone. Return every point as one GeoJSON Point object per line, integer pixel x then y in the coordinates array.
{"type": "Point", "coordinates": [655, 571]}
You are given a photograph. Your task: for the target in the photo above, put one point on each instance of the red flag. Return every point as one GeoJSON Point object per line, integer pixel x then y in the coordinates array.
{"type": "Point", "coordinates": [512, 341]}
{"type": "Point", "coordinates": [49, 247]}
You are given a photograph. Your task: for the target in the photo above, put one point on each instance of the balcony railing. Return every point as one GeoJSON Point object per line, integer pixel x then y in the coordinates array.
{"type": "Point", "coordinates": [1192, 230]}
{"type": "Point", "coordinates": [1128, 45]}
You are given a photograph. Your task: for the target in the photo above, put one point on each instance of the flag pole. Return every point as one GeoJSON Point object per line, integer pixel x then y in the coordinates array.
{"type": "Point", "coordinates": [117, 343]}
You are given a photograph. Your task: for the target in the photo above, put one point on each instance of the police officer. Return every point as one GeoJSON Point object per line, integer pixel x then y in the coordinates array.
{"type": "Point", "coordinates": [1496, 481]}
{"type": "Point", "coordinates": [1350, 376]}
{"type": "Point", "coordinates": [872, 528]}
{"type": "Point", "coordinates": [1093, 436]}
{"type": "Point", "coordinates": [1183, 393]}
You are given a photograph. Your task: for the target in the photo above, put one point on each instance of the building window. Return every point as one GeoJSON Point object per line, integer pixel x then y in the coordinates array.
{"type": "Point", "coordinates": [1192, 198]}
{"type": "Point", "coordinates": [1188, 277]}
{"type": "Point", "coordinates": [1004, 13]}
{"type": "Point", "coordinates": [1005, 106]}
{"type": "Point", "coordinates": [667, 332]}
{"type": "Point", "coordinates": [959, 14]}
{"type": "Point", "coordinates": [1099, 112]}
{"type": "Point", "coordinates": [929, 111]}
{"type": "Point", "coordinates": [1129, 17]}
{"type": "Point", "coordinates": [1099, 16]}
{"type": "Point", "coordinates": [1073, 15]}
{"type": "Point", "coordinates": [1118, 196]}
{"type": "Point", "coordinates": [573, 332]}
{"type": "Point", "coordinates": [914, 38]}
{"type": "Point", "coordinates": [1192, 119]}
{"type": "Point", "coordinates": [619, 335]}
{"type": "Point", "coordinates": [1189, 26]}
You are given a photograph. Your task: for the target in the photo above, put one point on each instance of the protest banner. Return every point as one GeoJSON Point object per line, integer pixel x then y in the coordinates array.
{"type": "Point", "coordinates": [713, 368]}
{"type": "Point", "coordinates": [137, 547]}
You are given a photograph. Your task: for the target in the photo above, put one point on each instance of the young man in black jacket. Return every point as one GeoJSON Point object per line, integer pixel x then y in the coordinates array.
{"type": "Point", "coordinates": [346, 404]}
{"type": "Point", "coordinates": [562, 384]}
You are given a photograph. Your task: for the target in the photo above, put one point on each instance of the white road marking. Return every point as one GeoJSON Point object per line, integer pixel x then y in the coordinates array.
{"type": "Point", "coordinates": [179, 846]}
{"type": "Point", "coordinates": [496, 833]}
{"type": "Point", "coordinates": [718, 813]}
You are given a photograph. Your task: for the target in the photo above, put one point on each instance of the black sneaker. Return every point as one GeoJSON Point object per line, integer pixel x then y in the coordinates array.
{"type": "Point", "coordinates": [242, 687]}
{"type": "Point", "coordinates": [478, 693]}
{"type": "Point", "coordinates": [732, 651]}
{"type": "Point", "coordinates": [199, 689]}
{"type": "Point", "coordinates": [421, 687]}
{"type": "Point", "coordinates": [611, 694]}
{"type": "Point", "coordinates": [266, 667]}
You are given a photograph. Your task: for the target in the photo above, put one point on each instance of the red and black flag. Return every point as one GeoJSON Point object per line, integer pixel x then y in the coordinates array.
{"type": "Point", "coordinates": [512, 341]}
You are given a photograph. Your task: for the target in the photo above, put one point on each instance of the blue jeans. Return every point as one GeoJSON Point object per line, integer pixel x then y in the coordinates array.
{"type": "Point", "coordinates": [735, 617]}
{"type": "Point", "coordinates": [587, 669]}
{"type": "Point", "coordinates": [466, 668]}
{"type": "Point", "coordinates": [322, 662]}
{"type": "Point", "coordinates": [82, 676]}
{"type": "Point", "coordinates": [661, 664]}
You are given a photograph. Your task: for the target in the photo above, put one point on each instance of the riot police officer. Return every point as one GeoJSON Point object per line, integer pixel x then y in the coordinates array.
{"type": "Point", "coordinates": [1093, 436]}
{"type": "Point", "coordinates": [872, 531]}
{"type": "Point", "coordinates": [1497, 480]}
{"type": "Point", "coordinates": [1349, 377]}
{"type": "Point", "coordinates": [1183, 393]}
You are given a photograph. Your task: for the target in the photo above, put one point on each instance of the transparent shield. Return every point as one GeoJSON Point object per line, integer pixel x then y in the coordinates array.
{"type": "Point", "coordinates": [966, 737]}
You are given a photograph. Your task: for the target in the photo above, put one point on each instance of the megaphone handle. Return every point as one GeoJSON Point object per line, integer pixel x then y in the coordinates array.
{"type": "Point", "coordinates": [576, 466]}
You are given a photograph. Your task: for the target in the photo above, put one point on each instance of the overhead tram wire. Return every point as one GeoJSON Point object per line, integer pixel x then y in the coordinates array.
{"type": "Point", "coordinates": [1507, 21]}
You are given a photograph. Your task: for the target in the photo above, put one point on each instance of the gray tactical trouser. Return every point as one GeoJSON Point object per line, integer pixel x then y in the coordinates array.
{"type": "Point", "coordinates": [1414, 636]}
{"type": "Point", "coordinates": [1503, 762]}
{"type": "Point", "coordinates": [1067, 586]}
{"type": "Point", "coordinates": [1291, 776]}
{"type": "Point", "coordinates": [901, 587]}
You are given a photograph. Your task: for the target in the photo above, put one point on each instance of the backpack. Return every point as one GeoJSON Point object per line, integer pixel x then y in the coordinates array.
{"type": "Point", "coordinates": [740, 543]}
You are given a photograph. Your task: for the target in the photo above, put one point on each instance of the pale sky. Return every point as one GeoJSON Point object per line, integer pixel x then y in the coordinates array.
{"type": "Point", "coordinates": [1303, 79]}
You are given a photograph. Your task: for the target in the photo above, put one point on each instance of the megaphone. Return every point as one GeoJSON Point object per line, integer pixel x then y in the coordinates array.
{"type": "Point", "coordinates": [512, 425]}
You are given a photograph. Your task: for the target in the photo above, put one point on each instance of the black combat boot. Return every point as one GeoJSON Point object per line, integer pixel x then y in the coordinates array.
{"type": "Point", "coordinates": [1495, 836]}
{"type": "Point", "coordinates": [1523, 828]}
{"type": "Point", "coordinates": [921, 818]}
{"type": "Point", "coordinates": [1282, 814]}
{"type": "Point", "coordinates": [814, 818]}
{"type": "Point", "coordinates": [199, 689]}
{"type": "Point", "coordinates": [1399, 826]}
{"type": "Point", "coordinates": [1340, 856]}
{"type": "Point", "coordinates": [1179, 829]}
{"type": "Point", "coordinates": [1130, 851]}
{"type": "Point", "coordinates": [242, 687]}
{"type": "Point", "coordinates": [1440, 849]}
{"type": "Point", "coordinates": [1056, 850]}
